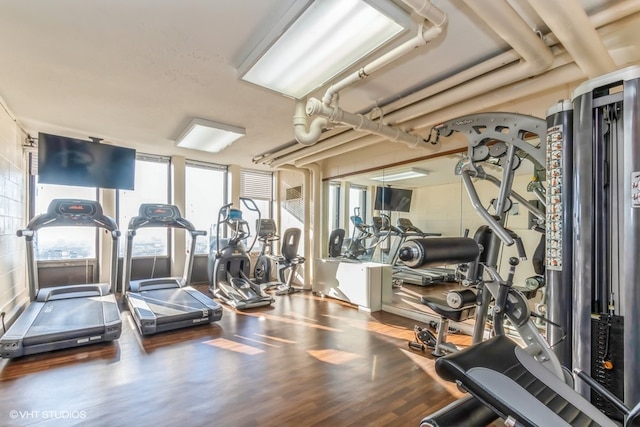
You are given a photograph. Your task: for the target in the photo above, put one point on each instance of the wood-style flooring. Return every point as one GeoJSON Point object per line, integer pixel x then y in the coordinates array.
{"type": "Point", "coordinates": [305, 361]}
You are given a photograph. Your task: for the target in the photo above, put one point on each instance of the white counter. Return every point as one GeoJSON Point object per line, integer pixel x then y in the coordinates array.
{"type": "Point", "coordinates": [358, 283]}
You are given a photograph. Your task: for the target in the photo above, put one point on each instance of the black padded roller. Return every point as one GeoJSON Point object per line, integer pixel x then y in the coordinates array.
{"type": "Point", "coordinates": [434, 251]}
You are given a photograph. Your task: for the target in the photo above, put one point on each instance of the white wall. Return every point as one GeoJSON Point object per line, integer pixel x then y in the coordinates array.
{"type": "Point", "coordinates": [13, 206]}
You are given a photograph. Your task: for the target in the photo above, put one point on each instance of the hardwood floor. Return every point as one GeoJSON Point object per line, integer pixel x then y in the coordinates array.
{"type": "Point", "coordinates": [305, 361]}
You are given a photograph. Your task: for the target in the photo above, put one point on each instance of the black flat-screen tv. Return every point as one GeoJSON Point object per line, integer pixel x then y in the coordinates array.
{"type": "Point", "coordinates": [70, 161]}
{"type": "Point", "coordinates": [393, 199]}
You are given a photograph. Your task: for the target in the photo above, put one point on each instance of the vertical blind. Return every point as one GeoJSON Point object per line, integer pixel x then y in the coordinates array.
{"type": "Point", "coordinates": [256, 184]}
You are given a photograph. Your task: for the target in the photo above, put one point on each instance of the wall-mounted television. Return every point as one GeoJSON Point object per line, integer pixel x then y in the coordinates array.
{"type": "Point", "coordinates": [393, 199]}
{"type": "Point", "coordinates": [70, 161]}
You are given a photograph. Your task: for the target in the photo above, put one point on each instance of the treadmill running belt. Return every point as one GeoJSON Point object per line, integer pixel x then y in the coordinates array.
{"type": "Point", "coordinates": [172, 305]}
{"type": "Point", "coordinates": [66, 319]}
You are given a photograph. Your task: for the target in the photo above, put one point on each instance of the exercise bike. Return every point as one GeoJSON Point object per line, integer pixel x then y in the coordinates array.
{"type": "Point", "coordinates": [266, 232]}
{"type": "Point", "coordinates": [286, 263]}
{"type": "Point", "coordinates": [229, 265]}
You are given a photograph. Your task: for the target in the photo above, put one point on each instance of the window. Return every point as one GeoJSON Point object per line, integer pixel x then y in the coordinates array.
{"type": "Point", "coordinates": [334, 206]}
{"type": "Point", "coordinates": [151, 186]}
{"type": "Point", "coordinates": [258, 186]}
{"type": "Point", "coordinates": [63, 243]}
{"type": "Point", "coordinates": [205, 193]}
{"type": "Point", "coordinates": [358, 200]}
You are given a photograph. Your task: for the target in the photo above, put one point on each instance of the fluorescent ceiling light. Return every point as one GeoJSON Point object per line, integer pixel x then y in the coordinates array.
{"type": "Point", "coordinates": [326, 39]}
{"type": "Point", "coordinates": [207, 135]}
{"type": "Point", "coordinates": [399, 176]}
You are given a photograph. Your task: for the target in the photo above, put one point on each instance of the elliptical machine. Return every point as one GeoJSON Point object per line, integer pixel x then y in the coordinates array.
{"type": "Point", "coordinates": [356, 248]}
{"type": "Point", "coordinates": [229, 265]}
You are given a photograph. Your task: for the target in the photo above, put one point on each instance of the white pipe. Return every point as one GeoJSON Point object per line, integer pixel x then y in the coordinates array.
{"type": "Point", "coordinates": [600, 19]}
{"type": "Point", "coordinates": [510, 26]}
{"type": "Point", "coordinates": [615, 13]}
{"type": "Point", "coordinates": [462, 77]}
{"type": "Point", "coordinates": [501, 17]}
{"type": "Point", "coordinates": [306, 195]}
{"type": "Point", "coordinates": [430, 13]}
{"type": "Point", "coordinates": [359, 122]}
{"type": "Point", "coordinates": [506, 22]}
{"type": "Point", "coordinates": [303, 136]}
{"type": "Point", "coordinates": [333, 141]}
{"type": "Point", "coordinates": [340, 150]}
{"type": "Point", "coordinates": [571, 25]}
{"type": "Point", "coordinates": [557, 77]}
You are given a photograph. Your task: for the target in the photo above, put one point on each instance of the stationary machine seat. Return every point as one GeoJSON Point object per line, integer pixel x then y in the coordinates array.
{"type": "Point", "coordinates": [442, 309]}
{"type": "Point", "coordinates": [336, 240]}
{"type": "Point", "coordinates": [511, 382]}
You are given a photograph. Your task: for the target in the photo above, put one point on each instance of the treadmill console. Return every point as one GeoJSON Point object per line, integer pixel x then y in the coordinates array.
{"type": "Point", "coordinates": [159, 213]}
{"type": "Point", "coordinates": [75, 208]}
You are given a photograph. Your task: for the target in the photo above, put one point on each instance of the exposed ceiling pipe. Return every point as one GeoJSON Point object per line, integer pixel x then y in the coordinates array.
{"type": "Point", "coordinates": [423, 8]}
{"type": "Point", "coordinates": [598, 20]}
{"type": "Point", "coordinates": [331, 141]}
{"type": "Point", "coordinates": [431, 14]}
{"type": "Point", "coordinates": [303, 136]}
{"type": "Point", "coordinates": [470, 105]}
{"type": "Point", "coordinates": [563, 75]}
{"type": "Point", "coordinates": [336, 141]}
{"type": "Point", "coordinates": [505, 21]}
{"type": "Point", "coordinates": [340, 150]}
{"type": "Point", "coordinates": [360, 122]}
{"type": "Point", "coordinates": [501, 17]}
{"type": "Point", "coordinates": [568, 21]}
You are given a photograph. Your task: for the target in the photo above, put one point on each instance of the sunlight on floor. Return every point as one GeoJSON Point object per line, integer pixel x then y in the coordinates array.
{"type": "Point", "coordinates": [335, 357]}
{"type": "Point", "coordinates": [287, 320]}
{"type": "Point", "coordinates": [282, 340]}
{"type": "Point", "coordinates": [237, 347]}
{"type": "Point", "coordinates": [391, 331]}
{"type": "Point", "coordinates": [256, 341]}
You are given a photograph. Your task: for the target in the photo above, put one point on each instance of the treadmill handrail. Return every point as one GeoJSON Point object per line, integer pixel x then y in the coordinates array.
{"type": "Point", "coordinates": [142, 221]}
{"type": "Point", "coordinates": [69, 213]}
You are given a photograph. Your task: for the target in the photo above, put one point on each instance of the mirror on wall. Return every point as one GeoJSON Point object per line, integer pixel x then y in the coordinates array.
{"type": "Point", "coordinates": [373, 208]}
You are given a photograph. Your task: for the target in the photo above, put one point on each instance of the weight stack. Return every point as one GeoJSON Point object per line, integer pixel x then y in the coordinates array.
{"type": "Point", "coordinates": [607, 343]}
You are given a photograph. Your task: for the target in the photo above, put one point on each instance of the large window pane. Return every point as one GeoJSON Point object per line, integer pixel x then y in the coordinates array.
{"type": "Point", "coordinates": [152, 186]}
{"type": "Point", "coordinates": [204, 196]}
{"type": "Point", "coordinates": [63, 243]}
{"type": "Point", "coordinates": [357, 203]}
{"type": "Point", "coordinates": [334, 206]}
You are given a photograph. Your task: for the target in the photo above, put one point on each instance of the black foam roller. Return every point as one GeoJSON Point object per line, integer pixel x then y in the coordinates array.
{"type": "Point", "coordinates": [434, 251]}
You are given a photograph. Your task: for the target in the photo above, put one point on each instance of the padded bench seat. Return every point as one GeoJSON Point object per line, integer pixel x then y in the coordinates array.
{"type": "Point", "coordinates": [514, 385]}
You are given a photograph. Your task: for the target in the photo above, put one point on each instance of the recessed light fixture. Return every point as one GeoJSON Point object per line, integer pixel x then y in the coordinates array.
{"type": "Point", "coordinates": [400, 175]}
{"type": "Point", "coordinates": [313, 44]}
{"type": "Point", "coordinates": [207, 135]}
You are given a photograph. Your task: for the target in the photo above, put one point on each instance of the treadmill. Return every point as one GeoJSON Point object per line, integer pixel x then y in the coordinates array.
{"type": "Point", "coordinates": [167, 303]}
{"type": "Point", "coordinates": [72, 315]}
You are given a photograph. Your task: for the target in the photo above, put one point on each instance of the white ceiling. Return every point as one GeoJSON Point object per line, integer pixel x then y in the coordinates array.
{"type": "Point", "coordinates": [136, 72]}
